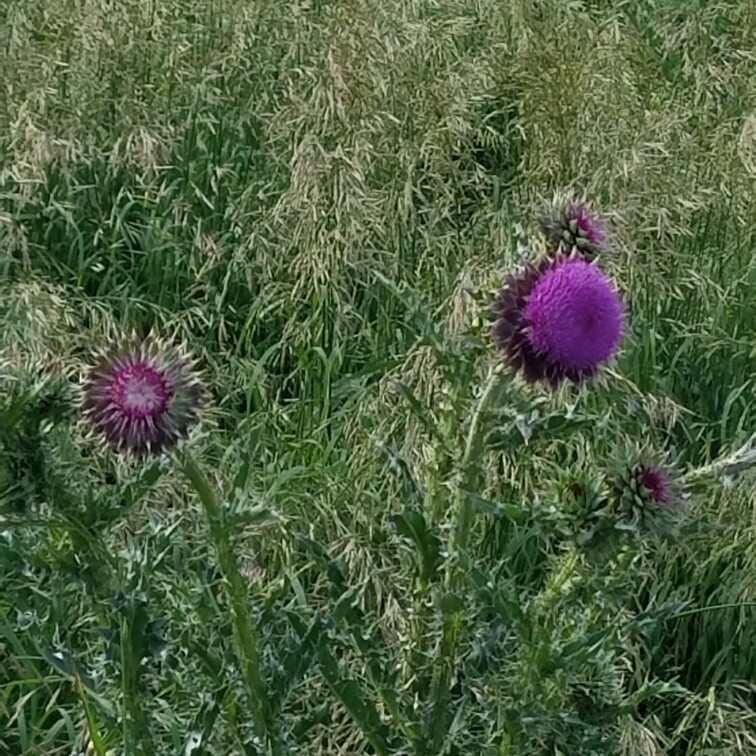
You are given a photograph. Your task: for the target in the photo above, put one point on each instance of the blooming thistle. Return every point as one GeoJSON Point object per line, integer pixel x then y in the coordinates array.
{"type": "Point", "coordinates": [569, 226]}
{"type": "Point", "coordinates": [142, 396]}
{"type": "Point", "coordinates": [559, 319]}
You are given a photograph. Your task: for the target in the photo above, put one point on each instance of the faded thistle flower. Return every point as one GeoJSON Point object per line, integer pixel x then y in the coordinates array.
{"type": "Point", "coordinates": [142, 396]}
{"type": "Point", "coordinates": [654, 483]}
{"type": "Point", "coordinates": [560, 319]}
{"type": "Point", "coordinates": [570, 226]}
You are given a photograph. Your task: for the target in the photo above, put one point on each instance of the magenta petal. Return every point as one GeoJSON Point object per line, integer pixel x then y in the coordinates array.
{"type": "Point", "coordinates": [574, 316]}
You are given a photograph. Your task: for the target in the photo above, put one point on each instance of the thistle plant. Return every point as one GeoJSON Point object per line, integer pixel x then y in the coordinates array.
{"type": "Point", "coordinates": [558, 321]}
{"type": "Point", "coordinates": [142, 398]}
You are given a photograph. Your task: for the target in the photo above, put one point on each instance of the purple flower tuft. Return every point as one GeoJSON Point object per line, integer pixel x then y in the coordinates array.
{"type": "Point", "coordinates": [574, 316]}
{"type": "Point", "coordinates": [558, 320]}
{"type": "Point", "coordinates": [656, 483]}
{"type": "Point", "coordinates": [142, 397]}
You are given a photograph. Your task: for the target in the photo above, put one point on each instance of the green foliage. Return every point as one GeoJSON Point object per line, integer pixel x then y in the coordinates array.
{"type": "Point", "coordinates": [321, 198]}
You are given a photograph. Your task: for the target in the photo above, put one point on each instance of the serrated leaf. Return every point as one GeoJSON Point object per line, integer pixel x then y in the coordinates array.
{"type": "Point", "coordinates": [284, 477]}
{"type": "Point", "coordinates": [495, 508]}
{"type": "Point", "coordinates": [450, 603]}
{"type": "Point", "coordinates": [319, 715]}
{"type": "Point", "coordinates": [412, 491]}
{"type": "Point", "coordinates": [351, 696]}
{"type": "Point", "coordinates": [242, 475]}
{"type": "Point", "coordinates": [344, 605]}
{"type": "Point", "coordinates": [148, 476]}
{"type": "Point", "coordinates": [654, 690]}
{"type": "Point", "coordinates": [256, 516]}
{"type": "Point", "coordinates": [65, 663]}
{"type": "Point", "coordinates": [420, 411]}
{"type": "Point", "coordinates": [412, 525]}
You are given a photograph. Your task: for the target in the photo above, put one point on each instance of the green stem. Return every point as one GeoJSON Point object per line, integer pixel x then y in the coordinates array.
{"type": "Point", "coordinates": [472, 471]}
{"type": "Point", "coordinates": [471, 475]}
{"type": "Point", "coordinates": [134, 720]}
{"type": "Point", "coordinates": [712, 608]}
{"type": "Point", "coordinates": [739, 461]}
{"type": "Point", "coordinates": [247, 639]}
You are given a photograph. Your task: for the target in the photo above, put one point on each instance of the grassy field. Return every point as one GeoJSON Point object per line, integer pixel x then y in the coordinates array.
{"type": "Point", "coordinates": [320, 199]}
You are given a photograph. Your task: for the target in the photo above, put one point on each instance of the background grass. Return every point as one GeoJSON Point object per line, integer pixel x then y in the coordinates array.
{"type": "Point", "coordinates": [320, 198]}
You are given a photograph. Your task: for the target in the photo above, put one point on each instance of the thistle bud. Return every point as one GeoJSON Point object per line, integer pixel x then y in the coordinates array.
{"type": "Point", "coordinates": [569, 225]}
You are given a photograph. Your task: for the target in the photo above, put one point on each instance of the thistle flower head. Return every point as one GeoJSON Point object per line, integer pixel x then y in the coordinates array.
{"type": "Point", "coordinates": [142, 397]}
{"type": "Point", "coordinates": [578, 493]}
{"type": "Point", "coordinates": [655, 483]}
{"type": "Point", "coordinates": [561, 319]}
{"type": "Point", "coordinates": [645, 492]}
{"type": "Point", "coordinates": [570, 225]}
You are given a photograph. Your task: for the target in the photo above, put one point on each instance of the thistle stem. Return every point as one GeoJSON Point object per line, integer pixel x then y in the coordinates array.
{"type": "Point", "coordinates": [471, 475]}
{"type": "Point", "coordinates": [739, 461]}
{"type": "Point", "coordinates": [135, 729]}
{"type": "Point", "coordinates": [246, 636]}
{"type": "Point", "coordinates": [471, 472]}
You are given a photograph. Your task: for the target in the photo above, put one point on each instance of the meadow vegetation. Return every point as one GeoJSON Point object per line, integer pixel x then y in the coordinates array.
{"type": "Point", "coordinates": [320, 199]}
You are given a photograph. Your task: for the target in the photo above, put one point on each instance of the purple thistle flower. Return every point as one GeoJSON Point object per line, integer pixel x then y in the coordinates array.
{"type": "Point", "coordinates": [560, 319]}
{"type": "Point", "coordinates": [574, 226]}
{"type": "Point", "coordinates": [655, 483]}
{"type": "Point", "coordinates": [142, 397]}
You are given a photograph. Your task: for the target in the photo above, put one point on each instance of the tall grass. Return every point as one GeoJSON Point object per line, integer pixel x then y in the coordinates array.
{"type": "Point", "coordinates": [320, 197]}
